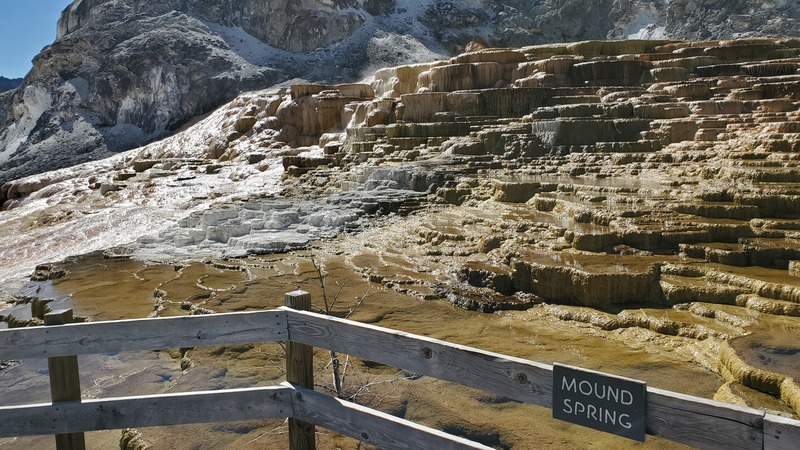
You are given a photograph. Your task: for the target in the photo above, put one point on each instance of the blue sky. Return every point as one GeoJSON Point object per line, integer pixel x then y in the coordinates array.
{"type": "Point", "coordinates": [26, 26]}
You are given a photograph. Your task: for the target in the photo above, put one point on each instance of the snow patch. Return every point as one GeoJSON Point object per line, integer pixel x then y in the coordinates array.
{"type": "Point", "coordinates": [649, 23]}
{"type": "Point", "coordinates": [36, 100]}
{"type": "Point", "coordinates": [650, 31]}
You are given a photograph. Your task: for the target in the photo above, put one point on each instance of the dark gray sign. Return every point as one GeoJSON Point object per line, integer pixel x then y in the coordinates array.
{"type": "Point", "coordinates": [600, 401]}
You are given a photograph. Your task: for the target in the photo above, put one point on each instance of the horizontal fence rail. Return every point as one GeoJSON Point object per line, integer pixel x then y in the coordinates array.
{"type": "Point", "coordinates": [514, 378]}
{"type": "Point", "coordinates": [146, 411]}
{"type": "Point", "coordinates": [143, 334]}
{"type": "Point", "coordinates": [228, 405]}
{"type": "Point", "coordinates": [686, 419]}
{"type": "Point", "coordinates": [373, 427]}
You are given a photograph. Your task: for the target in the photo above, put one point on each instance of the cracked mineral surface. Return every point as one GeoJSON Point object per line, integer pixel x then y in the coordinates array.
{"type": "Point", "coordinates": [629, 206]}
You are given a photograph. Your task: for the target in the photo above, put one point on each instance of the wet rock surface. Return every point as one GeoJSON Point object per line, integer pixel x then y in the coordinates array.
{"type": "Point", "coordinates": [268, 226]}
{"type": "Point", "coordinates": [636, 215]}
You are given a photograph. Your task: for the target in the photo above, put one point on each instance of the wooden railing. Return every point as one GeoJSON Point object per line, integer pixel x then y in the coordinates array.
{"type": "Point", "coordinates": [690, 420]}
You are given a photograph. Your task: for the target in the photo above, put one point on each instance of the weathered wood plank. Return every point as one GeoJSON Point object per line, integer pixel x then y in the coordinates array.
{"type": "Point", "coordinates": [65, 381]}
{"type": "Point", "coordinates": [300, 372]}
{"type": "Point", "coordinates": [143, 334]}
{"type": "Point", "coordinates": [146, 411]}
{"type": "Point", "coordinates": [370, 426]}
{"type": "Point", "coordinates": [510, 377]}
{"type": "Point", "coordinates": [703, 423]}
{"type": "Point", "coordinates": [781, 433]}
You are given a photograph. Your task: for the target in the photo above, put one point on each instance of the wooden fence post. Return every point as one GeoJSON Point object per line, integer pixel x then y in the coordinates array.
{"type": "Point", "coordinates": [300, 371]}
{"type": "Point", "coordinates": [65, 383]}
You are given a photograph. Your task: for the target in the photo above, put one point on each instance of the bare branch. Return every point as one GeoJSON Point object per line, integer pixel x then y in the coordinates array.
{"type": "Point", "coordinates": [321, 280]}
{"type": "Point", "coordinates": [346, 364]}
{"type": "Point", "coordinates": [340, 286]}
{"type": "Point", "coordinates": [358, 303]}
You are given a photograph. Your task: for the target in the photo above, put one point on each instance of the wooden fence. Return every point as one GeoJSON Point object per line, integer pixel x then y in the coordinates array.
{"type": "Point", "coordinates": [690, 420]}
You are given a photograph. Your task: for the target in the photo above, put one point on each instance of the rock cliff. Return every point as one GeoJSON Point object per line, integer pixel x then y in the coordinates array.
{"type": "Point", "coordinates": [125, 72]}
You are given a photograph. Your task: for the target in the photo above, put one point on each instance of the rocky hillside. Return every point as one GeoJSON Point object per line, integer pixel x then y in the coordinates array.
{"type": "Point", "coordinates": [125, 72]}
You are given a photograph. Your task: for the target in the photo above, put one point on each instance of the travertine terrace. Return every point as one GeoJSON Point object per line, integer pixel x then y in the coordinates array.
{"type": "Point", "coordinates": [607, 175]}
{"type": "Point", "coordinates": [644, 194]}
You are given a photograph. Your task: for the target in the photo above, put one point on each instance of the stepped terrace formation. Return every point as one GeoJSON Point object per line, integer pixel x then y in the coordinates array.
{"type": "Point", "coordinates": [645, 192]}
{"type": "Point", "coordinates": [607, 175]}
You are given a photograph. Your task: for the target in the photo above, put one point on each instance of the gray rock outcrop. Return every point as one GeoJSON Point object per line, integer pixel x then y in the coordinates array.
{"type": "Point", "coordinates": [119, 75]}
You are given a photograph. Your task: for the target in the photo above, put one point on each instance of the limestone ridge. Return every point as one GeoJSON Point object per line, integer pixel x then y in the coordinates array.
{"type": "Point", "coordinates": [634, 149]}
{"type": "Point", "coordinates": [123, 73]}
